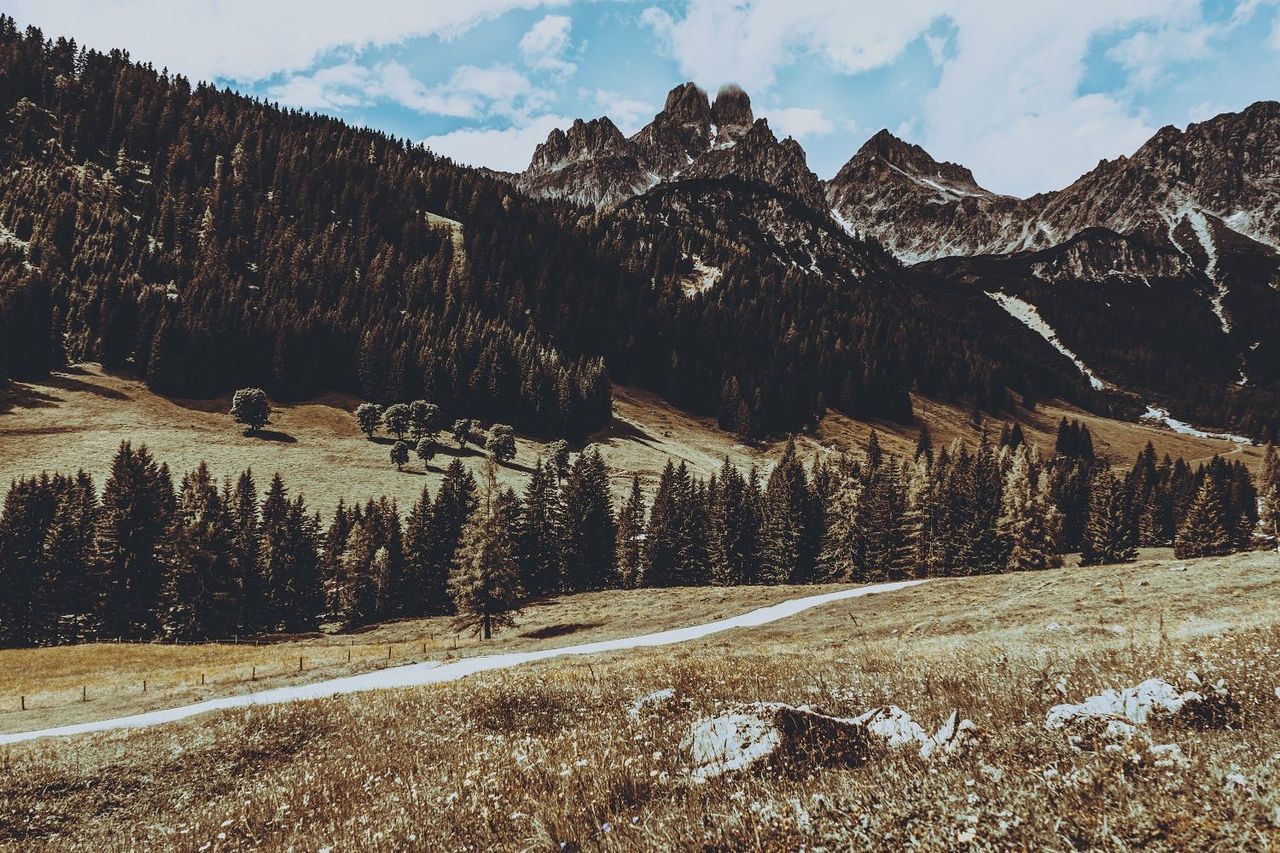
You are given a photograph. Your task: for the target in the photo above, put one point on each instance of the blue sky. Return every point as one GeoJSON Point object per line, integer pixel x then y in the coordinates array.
{"type": "Point", "coordinates": [1027, 94]}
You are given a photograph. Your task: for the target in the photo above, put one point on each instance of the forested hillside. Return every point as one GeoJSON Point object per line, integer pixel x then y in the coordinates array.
{"type": "Point", "coordinates": [208, 241]}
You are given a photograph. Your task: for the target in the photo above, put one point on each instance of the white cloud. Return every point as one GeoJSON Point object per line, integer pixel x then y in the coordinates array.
{"type": "Point", "coordinates": [629, 114]}
{"type": "Point", "coordinates": [507, 149]}
{"type": "Point", "coordinates": [1008, 101]}
{"type": "Point", "coordinates": [723, 41]}
{"type": "Point", "coordinates": [1274, 40]}
{"type": "Point", "coordinates": [799, 122]}
{"type": "Point", "coordinates": [1206, 110]}
{"type": "Point", "coordinates": [544, 45]}
{"type": "Point", "coordinates": [470, 92]}
{"type": "Point", "coordinates": [251, 40]}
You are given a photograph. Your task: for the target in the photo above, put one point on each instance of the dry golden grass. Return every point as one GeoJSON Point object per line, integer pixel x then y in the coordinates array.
{"type": "Point", "coordinates": [110, 676]}
{"type": "Point", "coordinates": [77, 419]}
{"type": "Point", "coordinates": [546, 757]}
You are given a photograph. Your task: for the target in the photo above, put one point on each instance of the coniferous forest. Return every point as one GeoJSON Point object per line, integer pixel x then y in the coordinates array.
{"type": "Point", "coordinates": [207, 241]}
{"type": "Point", "coordinates": [189, 558]}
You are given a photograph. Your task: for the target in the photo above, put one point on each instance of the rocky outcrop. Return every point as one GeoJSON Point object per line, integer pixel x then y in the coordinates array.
{"type": "Point", "coordinates": [758, 734]}
{"type": "Point", "coordinates": [692, 137]}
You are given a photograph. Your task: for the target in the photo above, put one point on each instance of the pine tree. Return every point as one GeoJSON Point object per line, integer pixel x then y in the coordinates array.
{"type": "Point", "coordinates": [1030, 524]}
{"type": "Point", "coordinates": [924, 445]}
{"type": "Point", "coordinates": [418, 557]}
{"type": "Point", "coordinates": [242, 524]}
{"type": "Point", "coordinates": [137, 503]}
{"type": "Point", "coordinates": [485, 579]}
{"type": "Point", "coordinates": [660, 566]}
{"type": "Point", "coordinates": [201, 590]}
{"type": "Point", "coordinates": [538, 547]}
{"type": "Point", "coordinates": [589, 536]}
{"type": "Point", "coordinates": [631, 528]}
{"type": "Point", "coordinates": [28, 510]}
{"type": "Point", "coordinates": [62, 601]}
{"type": "Point", "coordinates": [1107, 537]}
{"type": "Point", "coordinates": [1204, 531]}
{"type": "Point", "coordinates": [274, 554]}
{"type": "Point", "coordinates": [735, 528]}
{"type": "Point", "coordinates": [1269, 495]}
{"type": "Point", "coordinates": [788, 541]}
{"type": "Point", "coordinates": [455, 502]}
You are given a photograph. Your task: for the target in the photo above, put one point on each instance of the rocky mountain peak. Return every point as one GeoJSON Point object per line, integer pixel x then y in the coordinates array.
{"type": "Point", "coordinates": [687, 104]}
{"type": "Point", "coordinates": [914, 161]}
{"type": "Point", "coordinates": [731, 113]}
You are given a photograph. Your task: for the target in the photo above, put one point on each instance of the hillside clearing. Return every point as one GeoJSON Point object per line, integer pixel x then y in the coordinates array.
{"type": "Point", "coordinates": [77, 418]}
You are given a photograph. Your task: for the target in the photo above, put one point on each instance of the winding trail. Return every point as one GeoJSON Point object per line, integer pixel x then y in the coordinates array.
{"type": "Point", "coordinates": [417, 674]}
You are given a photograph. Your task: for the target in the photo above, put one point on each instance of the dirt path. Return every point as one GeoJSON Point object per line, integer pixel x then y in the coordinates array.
{"type": "Point", "coordinates": [418, 674]}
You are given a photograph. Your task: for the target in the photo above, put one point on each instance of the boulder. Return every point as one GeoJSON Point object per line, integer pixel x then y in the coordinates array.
{"type": "Point", "coordinates": [753, 734]}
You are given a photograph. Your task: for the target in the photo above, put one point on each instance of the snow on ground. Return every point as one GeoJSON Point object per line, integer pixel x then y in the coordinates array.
{"type": "Point", "coordinates": [843, 222]}
{"type": "Point", "coordinates": [1161, 415]}
{"type": "Point", "coordinates": [1204, 234]}
{"type": "Point", "coordinates": [1026, 313]}
{"type": "Point", "coordinates": [432, 672]}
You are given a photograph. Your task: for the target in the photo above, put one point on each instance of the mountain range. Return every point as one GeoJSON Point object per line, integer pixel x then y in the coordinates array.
{"type": "Point", "coordinates": [206, 242]}
{"type": "Point", "coordinates": [1159, 269]}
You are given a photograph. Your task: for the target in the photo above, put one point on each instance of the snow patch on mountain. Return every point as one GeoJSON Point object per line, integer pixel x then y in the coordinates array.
{"type": "Point", "coordinates": [1161, 415]}
{"type": "Point", "coordinates": [1027, 314]}
{"type": "Point", "coordinates": [1204, 233]}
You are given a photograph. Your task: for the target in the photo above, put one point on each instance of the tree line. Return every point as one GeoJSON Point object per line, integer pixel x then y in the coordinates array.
{"type": "Point", "coordinates": [146, 560]}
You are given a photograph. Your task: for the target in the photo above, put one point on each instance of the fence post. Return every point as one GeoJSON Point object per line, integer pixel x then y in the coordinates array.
{"type": "Point", "coordinates": [202, 679]}
{"type": "Point", "coordinates": [388, 653]}
{"type": "Point", "coordinates": [24, 703]}
{"type": "Point", "coordinates": [144, 685]}
{"type": "Point", "coordinates": [253, 676]}
{"type": "Point", "coordinates": [299, 663]}
{"type": "Point", "coordinates": [84, 693]}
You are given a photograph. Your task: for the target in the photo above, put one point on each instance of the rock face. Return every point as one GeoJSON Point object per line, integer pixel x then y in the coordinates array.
{"type": "Point", "coordinates": [1223, 169]}
{"type": "Point", "coordinates": [692, 137]}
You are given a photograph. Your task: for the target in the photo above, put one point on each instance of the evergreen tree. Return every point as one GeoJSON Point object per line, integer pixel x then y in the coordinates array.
{"type": "Point", "coordinates": [28, 510]}
{"type": "Point", "coordinates": [1030, 524]}
{"type": "Point", "coordinates": [1204, 532]}
{"type": "Point", "coordinates": [631, 529]}
{"type": "Point", "coordinates": [662, 558]}
{"type": "Point", "coordinates": [485, 579]}
{"type": "Point", "coordinates": [241, 521]}
{"type": "Point", "coordinates": [1106, 536]}
{"type": "Point", "coordinates": [62, 601]}
{"type": "Point", "coordinates": [455, 502]}
{"type": "Point", "coordinates": [418, 555]}
{"type": "Point", "coordinates": [924, 445]}
{"type": "Point", "coordinates": [201, 589]}
{"type": "Point", "coordinates": [789, 542]}
{"type": "Point", "coordinates": [735, 528]}
{"type": "Point", "coordinates": [589, 536]}
{"type": "Point", "coordinates": [137, 503]}
{"type": "Point", "coordinates": [1269, 495]}
{"type": "Point", "coordinates": [538, 546]}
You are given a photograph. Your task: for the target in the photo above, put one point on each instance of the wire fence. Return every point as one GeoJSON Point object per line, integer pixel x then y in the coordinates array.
{"type": "Point", "coordinates": [314, 657]}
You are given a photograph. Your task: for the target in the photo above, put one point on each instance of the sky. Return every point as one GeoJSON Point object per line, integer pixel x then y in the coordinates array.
{"type": "Point", "coordinates": [1029, 94]}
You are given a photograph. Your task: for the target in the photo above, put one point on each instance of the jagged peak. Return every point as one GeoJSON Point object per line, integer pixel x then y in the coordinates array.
{"type": "Point", "coordinates": [732, 109]}
{"type": "Point", "coordinates": [687, 102]}
{"type": "Point", "coordinates": [911, 159]}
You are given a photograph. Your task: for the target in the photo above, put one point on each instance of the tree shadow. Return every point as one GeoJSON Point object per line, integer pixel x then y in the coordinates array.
{"type": "Point", "coordinates": [548, 631]}
{"type": "Point", "coordinates": [16, 395]}
{"type": "Point", "coordinates": [67, 382]}
{"type": "Point", "coordinates": [273, 435]}
{"type": "Point", "coordinates": [623, 431]}
{"type": "Point", "coordinates": [516, 466]}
